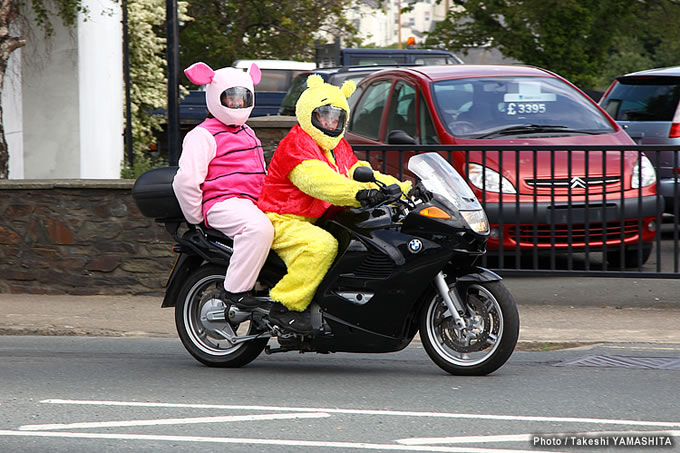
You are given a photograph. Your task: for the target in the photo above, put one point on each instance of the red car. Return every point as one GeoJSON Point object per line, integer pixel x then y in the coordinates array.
{"type": "Point", "coordinates": [544, 198]}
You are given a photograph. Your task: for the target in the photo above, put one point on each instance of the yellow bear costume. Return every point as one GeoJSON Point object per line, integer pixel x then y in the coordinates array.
{"type": "Point", "coordinates": [310, 172]}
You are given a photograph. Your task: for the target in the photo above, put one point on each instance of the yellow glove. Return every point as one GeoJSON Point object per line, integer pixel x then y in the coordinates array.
{"type": "Point", "coordinates": [317, 179]}
{"type": "Point", "coordinates": [386, 179]}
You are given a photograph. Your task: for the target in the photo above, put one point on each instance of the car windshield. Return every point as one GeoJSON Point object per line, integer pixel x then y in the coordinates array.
{"type": "Point", "coordinates": [339, 78]}
{"type": "Point", "coordinates": [643, 99]}
{"type": "Point", "coordinates": [300, 84]}
{"type": "Point", "coordinates": [495, 107]}
{"type": "Point", "coordinates": [294, 91]}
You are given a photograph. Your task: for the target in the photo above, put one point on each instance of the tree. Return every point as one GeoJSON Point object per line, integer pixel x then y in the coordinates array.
{"type": "Point", "coordinates": [148, 77]}
{"type": "Point", "coordinates": [651, 39]}
{"type": "Point", "coordinates": [223, 32]}
{"type": "Point", "coordinates": [570, 37]}
{"type": "Point", "coordinates": [147, 61]}
{"type": "Point", "coordinates": [44, 11]}
{"type": "Point", "coordinates": [8, 44]}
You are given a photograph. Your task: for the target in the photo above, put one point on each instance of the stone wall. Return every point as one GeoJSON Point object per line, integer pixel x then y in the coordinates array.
{"type": "Point", "coordinates": [270, 130]}
{"type": "Point", "coordinates": [87, 236]}
{"type": "Point", "coordinates": [79, 237]}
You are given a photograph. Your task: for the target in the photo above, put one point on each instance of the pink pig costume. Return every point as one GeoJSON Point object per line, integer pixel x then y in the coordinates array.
{"type": "Point", "coordinates": [221, 173]}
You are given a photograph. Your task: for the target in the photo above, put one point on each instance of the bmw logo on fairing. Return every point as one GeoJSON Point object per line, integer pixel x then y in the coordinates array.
{"type": "Point", "coordinates": [415, 246]}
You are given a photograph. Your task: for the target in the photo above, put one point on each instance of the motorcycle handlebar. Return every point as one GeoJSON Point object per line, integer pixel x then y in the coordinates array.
{"type": "Point", "coordinates": [394, 195]}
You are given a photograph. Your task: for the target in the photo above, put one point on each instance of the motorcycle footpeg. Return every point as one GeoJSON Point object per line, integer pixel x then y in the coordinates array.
{"type": "Point", "coordinates": [263, 301]}
{"type": "Point", "coordinates": [283, 333]}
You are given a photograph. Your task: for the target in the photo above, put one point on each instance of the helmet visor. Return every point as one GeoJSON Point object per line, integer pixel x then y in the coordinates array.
{"type": "Point", "coordinates": [237, 98]}
{"type": "Point", "coordinates": [329, 119]}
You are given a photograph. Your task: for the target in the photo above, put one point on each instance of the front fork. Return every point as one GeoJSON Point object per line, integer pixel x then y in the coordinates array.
{"type": "Point", "coordinates": [451, 299]}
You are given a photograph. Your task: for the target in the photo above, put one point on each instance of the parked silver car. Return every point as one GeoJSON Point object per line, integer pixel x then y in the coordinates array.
{"type": "Point", "coordinates": [647, 105]}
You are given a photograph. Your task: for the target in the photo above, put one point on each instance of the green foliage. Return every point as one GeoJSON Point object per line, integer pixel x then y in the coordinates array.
{"type": "Point", "coordinates": [148, 79]}
{"type": "Point", "coordinates": [651, 39]}
{"type": "Point", "coordinates": [574, 38]}
{"type": "Point", "coordinates": [627, 55]}
{"type": "Point", "coordinates": [225, 31]}
{"type": "Point", "coordinates": [143, 162]}
{"type": "Point", "coordinates": [46, 10]}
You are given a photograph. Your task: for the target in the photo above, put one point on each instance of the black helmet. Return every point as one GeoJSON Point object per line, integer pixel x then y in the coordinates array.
{"type": "Point", "coordinates": [237, 98]}
{"type": "Point", "coordinates": [329, 119]}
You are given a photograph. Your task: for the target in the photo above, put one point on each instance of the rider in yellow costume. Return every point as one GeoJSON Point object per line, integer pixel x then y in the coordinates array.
{"type": "Point", "coordinates": [311, 170]}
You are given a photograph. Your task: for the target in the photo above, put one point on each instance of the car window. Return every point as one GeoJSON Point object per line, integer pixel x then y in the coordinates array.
{"type": "Point", "coordinates": [434, 60]}
{"type": "Point", "coordinates": [367, 60]}
{"type": "Point", "coordinates": [369, 110]}
{"type": "Point", "coordinates": [352, 100]}
{"type": "Point", "coordinates": [474, 107]}
{"type": "Point", "coordinates": [300, 84]}
{"type": "Point", "coordinates": [337, 79]}
{"type": "Point", "coordinates": [402, 111]}
{"type": "Point", "coordinates": [294, 91]}
{"type": "Point", "coordinates": [428, 134]}
{"type": "Point", "coordinates": [276, 79]}
{"type": "Point", "coordinates": [648, 99]}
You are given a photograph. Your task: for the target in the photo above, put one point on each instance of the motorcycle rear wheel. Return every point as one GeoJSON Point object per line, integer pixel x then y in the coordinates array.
{"type": "Point", "coordinates": [491, 337]}
{"type": "Point", "coordinates": [201, 325]}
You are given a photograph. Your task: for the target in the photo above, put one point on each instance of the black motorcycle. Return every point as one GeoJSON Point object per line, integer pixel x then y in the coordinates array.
{"type": "Point", "coordinates": [403, 267]}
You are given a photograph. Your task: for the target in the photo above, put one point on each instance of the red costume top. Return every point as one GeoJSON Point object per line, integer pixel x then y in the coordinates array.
{"type": "Point", "coordinates": [279, 194]}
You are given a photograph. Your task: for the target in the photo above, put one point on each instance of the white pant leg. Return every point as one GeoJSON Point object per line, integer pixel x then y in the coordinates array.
{"type": "Point", "coordinates": [252, 232]}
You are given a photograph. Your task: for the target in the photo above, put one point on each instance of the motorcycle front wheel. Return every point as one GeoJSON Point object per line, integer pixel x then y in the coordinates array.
{"type": "Point", "coordinates": [203, 328]}
{"type": "Point", "coordinates": [487, 341]}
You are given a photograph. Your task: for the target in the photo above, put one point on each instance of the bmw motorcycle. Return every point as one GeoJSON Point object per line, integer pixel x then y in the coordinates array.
{"type": "Point", "coordinates": [405, 266]}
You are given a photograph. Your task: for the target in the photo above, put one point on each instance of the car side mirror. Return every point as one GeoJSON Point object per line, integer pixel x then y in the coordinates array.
{"type": "Point", "coordinates": [363, 174]}
{"type": "Point", "coordinates": [399, 137]}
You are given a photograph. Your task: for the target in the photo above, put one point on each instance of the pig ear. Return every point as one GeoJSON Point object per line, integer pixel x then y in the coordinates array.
{"type": "Point", "coordinates": [199, 73]}
{"type": "Point", "coordinates": [255, 73]}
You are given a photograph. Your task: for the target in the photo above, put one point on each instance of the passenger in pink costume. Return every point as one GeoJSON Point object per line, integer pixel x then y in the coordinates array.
{"type": "Point", "coordinates": [221, 173]}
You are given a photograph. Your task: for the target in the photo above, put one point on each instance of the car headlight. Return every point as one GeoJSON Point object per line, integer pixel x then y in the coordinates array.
{"type": "Point", "coordinates": [648, 176]}
{"type": "Point", "coordinates": [477, 220]}
{"type": "Point", "coordinates": [490, 180]}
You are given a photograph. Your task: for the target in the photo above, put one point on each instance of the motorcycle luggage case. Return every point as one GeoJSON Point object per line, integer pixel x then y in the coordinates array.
{"type": "Point", "coordinates": [154, 195]}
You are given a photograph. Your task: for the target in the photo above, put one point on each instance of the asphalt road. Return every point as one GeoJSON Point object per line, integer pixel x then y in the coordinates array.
{"type": "Point", "coordinates": [114, 395]}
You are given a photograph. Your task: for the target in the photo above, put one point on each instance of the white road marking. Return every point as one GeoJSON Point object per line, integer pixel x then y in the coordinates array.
{"type": "Point", "coordinates": [430, 444]}
{"type": "Point", "coordinates": [600, 421]}
{"type": "Point", "coordinates": [467, 439]}
{"type": "Point", "coordinates": [275, 442]}
{"type": "Point", "coordinates": [526, 437]}
{"type": "Point", "coordinates": [171, 421]}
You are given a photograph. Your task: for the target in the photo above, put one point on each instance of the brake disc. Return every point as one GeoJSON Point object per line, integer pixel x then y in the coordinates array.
{"type": "Point", "coordinates": [472, 338]}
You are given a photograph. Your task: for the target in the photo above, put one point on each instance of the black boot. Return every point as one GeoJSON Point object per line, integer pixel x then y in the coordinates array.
{"type": "Point", "coordinates": [241, 300]}
{"type": "Point", "coordinates": [297, 321]}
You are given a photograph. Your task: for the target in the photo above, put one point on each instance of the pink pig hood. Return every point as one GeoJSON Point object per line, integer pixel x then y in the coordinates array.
{"type": "Point", "coordinates": [218, 82]}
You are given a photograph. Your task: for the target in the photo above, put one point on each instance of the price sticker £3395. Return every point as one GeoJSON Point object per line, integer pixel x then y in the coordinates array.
{"type": "Point", "coordinates": [524, 108]}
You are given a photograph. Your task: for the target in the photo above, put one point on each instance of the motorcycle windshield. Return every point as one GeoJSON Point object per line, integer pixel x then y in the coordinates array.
{"type": "Point", "coordinates": [441, 178]}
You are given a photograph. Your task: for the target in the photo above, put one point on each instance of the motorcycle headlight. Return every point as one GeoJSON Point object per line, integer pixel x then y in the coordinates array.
{"type": "Point", "coordinates": [477, 220]}
{"type": "Point", "coordinates": [490, 180]}
{"type": "Point", "coordinates": [643, 173]}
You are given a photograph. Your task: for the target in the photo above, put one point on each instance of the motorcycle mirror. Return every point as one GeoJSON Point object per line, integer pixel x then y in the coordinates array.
{"type": "Point", "coordinates": [363, 174]}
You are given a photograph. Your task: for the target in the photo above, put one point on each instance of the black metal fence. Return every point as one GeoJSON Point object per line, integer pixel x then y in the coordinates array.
{"type": "Point", "coordinates": [576, 211]}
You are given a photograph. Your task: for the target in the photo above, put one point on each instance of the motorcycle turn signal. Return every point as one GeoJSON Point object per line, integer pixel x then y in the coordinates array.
{"type": "Point", "coordinates": [434, 213]}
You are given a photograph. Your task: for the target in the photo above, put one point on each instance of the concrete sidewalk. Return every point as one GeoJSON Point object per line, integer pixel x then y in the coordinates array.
{"type": "Point", "coordinates": [550, 313]}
